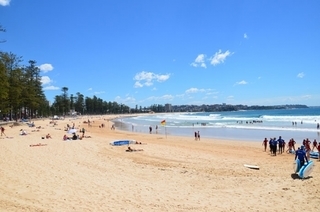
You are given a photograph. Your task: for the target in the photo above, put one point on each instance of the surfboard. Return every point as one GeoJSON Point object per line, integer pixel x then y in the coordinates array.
{"type": "Point", "coordinates": [251, 166]}
{"type": "Point", "coordinates": [122, 142]}
{"type": "Point", "coordinates": [306, 169]}
{"type": "Point", "coordinates": [314, 155]}
{"type": "Point", "coordinates": [296, 166]}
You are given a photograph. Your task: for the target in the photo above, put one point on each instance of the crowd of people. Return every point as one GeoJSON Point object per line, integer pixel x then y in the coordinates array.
{"type": "Point", "coordinates": [279, 145]}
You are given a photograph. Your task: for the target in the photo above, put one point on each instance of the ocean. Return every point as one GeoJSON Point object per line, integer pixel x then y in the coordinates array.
{"type": "Point", "coordinates": [250, 125]}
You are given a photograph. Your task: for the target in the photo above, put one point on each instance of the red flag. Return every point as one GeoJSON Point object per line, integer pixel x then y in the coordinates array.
{"type": "Point", "coordinates": [163, 122]}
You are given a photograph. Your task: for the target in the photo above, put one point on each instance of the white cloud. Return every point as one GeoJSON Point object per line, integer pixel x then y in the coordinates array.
{"type": "Point", "coordinates": [98, 92]}
{"type": "Point", "coordinates": [46, 67]}
{"type": "Point", "coordinates": [51, 87]}
{"type": "Point", "coordinates": [199, 61]}
{"type": "Point", "coordinates": [195, 90]}
{"type": "Point", "coordinates": [147, 78]}
{"type": "Point", "coordinates": [4, 2]}
{"type": "Point", "coordinates": [230, 98]}
{"type": "Point", "coordinates": [301, 75]}
{"type": "Point", "coordinates": [220, 57]}
{"type": "Point", "coordinates": [45, 80]}
{"type": "Point", "coordinates": [89, 89]}
{"type": "Point", "coordinates": [128, 99]}
{"type": "Point", "coordinates": [243, 82]}
{"type": "Point", "coordinates": [245, 36]}
{"type": "Point", "coordinates": [138, 84]}
{"type": "Point", "coordinates": [166, 97]}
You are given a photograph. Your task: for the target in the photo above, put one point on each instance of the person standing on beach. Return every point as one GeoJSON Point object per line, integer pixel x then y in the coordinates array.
{"type": "Point", "coordinates": [2, 131]}
{"type": "Point", "coordinates": [319, 150]}
{"type": "Point", "coordinates": [280, 144]}
{"type": "Point", "coordinates": [150, 130]}
{"type": "Point", "coordinates": [293, 144]}
{"type": "Point", "coordinates": [198, 135]}
{"type": "Point", "coordinates": [195, 136]}
{"type": "Point", "coordinates": [308, 148]}
{"type": "Point", "coordinates": [265, 143]}
{"type": "Point", "coordinates": [274, 146]}
{"type": "Point", "coordinates": [314, 144]}
{"type": "Point", "coordinates": [270, 146]}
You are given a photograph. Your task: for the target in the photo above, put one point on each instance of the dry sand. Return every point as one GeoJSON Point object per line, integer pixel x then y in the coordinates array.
{"type": "Point", "coordinates": [171, 174]}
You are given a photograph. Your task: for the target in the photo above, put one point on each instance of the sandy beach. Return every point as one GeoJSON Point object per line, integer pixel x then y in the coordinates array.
{"type": "Point", "coordinates": [170, 174]}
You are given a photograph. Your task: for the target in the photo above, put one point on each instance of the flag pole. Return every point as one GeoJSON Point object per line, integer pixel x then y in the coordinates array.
{"type": "Point", "coordinates": [165, 129]}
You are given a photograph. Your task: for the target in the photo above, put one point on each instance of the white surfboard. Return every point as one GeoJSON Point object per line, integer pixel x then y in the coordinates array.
{"type": "Point", "coordinates": [251, 166]}
{"type": "Point", "coordinates": [306, 170]}
{"type": "Point", "coordinates": [296, 166]}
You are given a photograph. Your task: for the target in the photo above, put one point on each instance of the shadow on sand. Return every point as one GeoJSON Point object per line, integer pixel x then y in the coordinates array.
{"type": "Point", "coordinates": [296, 176]}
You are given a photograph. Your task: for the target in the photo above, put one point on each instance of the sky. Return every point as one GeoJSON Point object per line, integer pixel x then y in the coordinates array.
{"type": "Point", "coordinates": [144, 52]}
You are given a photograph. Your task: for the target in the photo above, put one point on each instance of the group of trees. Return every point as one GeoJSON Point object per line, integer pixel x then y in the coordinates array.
{"type": "Point", "coordinates": [65, 105]}
{"type": "Point", "coordinates": [21, 92]}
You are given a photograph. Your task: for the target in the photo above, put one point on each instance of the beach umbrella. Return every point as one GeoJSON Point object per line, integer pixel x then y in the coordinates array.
{"type": "Point", "coordinates": [71, 131]}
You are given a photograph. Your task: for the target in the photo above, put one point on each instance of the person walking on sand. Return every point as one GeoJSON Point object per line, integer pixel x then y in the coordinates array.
{"type": "Point", "coordinates": [301, 155]}
{"type": "Point", "coordinates": [265, 143]}
{"type": "Point", "coordinates": [198, 135]}
{"type": "Point", "coordinates": [195, 136]}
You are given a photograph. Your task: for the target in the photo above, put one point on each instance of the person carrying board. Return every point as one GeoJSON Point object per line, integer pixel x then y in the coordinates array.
{"type": "Point", "coordinates": [301, 155]}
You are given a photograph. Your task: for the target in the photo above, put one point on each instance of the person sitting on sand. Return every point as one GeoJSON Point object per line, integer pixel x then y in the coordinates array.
{"type": "Point", "coordinates": [133, 150]}
{"type": "Point", "coordinates": [65, 137]}
{"type": "Point", "coordinates": [23, 132]}
{"type": "Point", "coordinates": [48, 136]}
{"type": "Point", "coordinates": [39, 144]}
{"type": "Point", "coordinates": [74, 137]}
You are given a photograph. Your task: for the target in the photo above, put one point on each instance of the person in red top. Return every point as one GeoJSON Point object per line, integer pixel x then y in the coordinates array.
{"type": "Point", "coordinates": [293, 143]}
{"type": "Point", "coordinates": [265, 143]}
{"type": "Point", "coordinates": [314, 145]}
{"type": "Point", "coordinates": [308, 148]}
{"type": "Point", "coordinates": [290, 146]}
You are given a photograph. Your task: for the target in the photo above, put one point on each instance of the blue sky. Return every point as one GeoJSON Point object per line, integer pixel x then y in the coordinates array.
{"type": "Point", "coordinates": [146, 52]}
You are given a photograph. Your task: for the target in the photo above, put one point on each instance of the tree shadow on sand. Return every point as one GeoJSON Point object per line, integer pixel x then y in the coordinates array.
{"type": "Point", "coordinates": [296, 176]}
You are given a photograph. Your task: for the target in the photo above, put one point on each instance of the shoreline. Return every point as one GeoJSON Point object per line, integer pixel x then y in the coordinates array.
{"type": "Point", "coordinates": [239, 134]}
{"type": "Point", "coordinates": [173, 173]}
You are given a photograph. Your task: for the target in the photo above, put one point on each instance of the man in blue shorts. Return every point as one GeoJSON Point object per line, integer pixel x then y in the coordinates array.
{"type": "Point", "coordinates": [301, 155]}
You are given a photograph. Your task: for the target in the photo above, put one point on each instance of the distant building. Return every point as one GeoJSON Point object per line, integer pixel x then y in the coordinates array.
{"type": "Point", "coordinates": [168, 107]}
